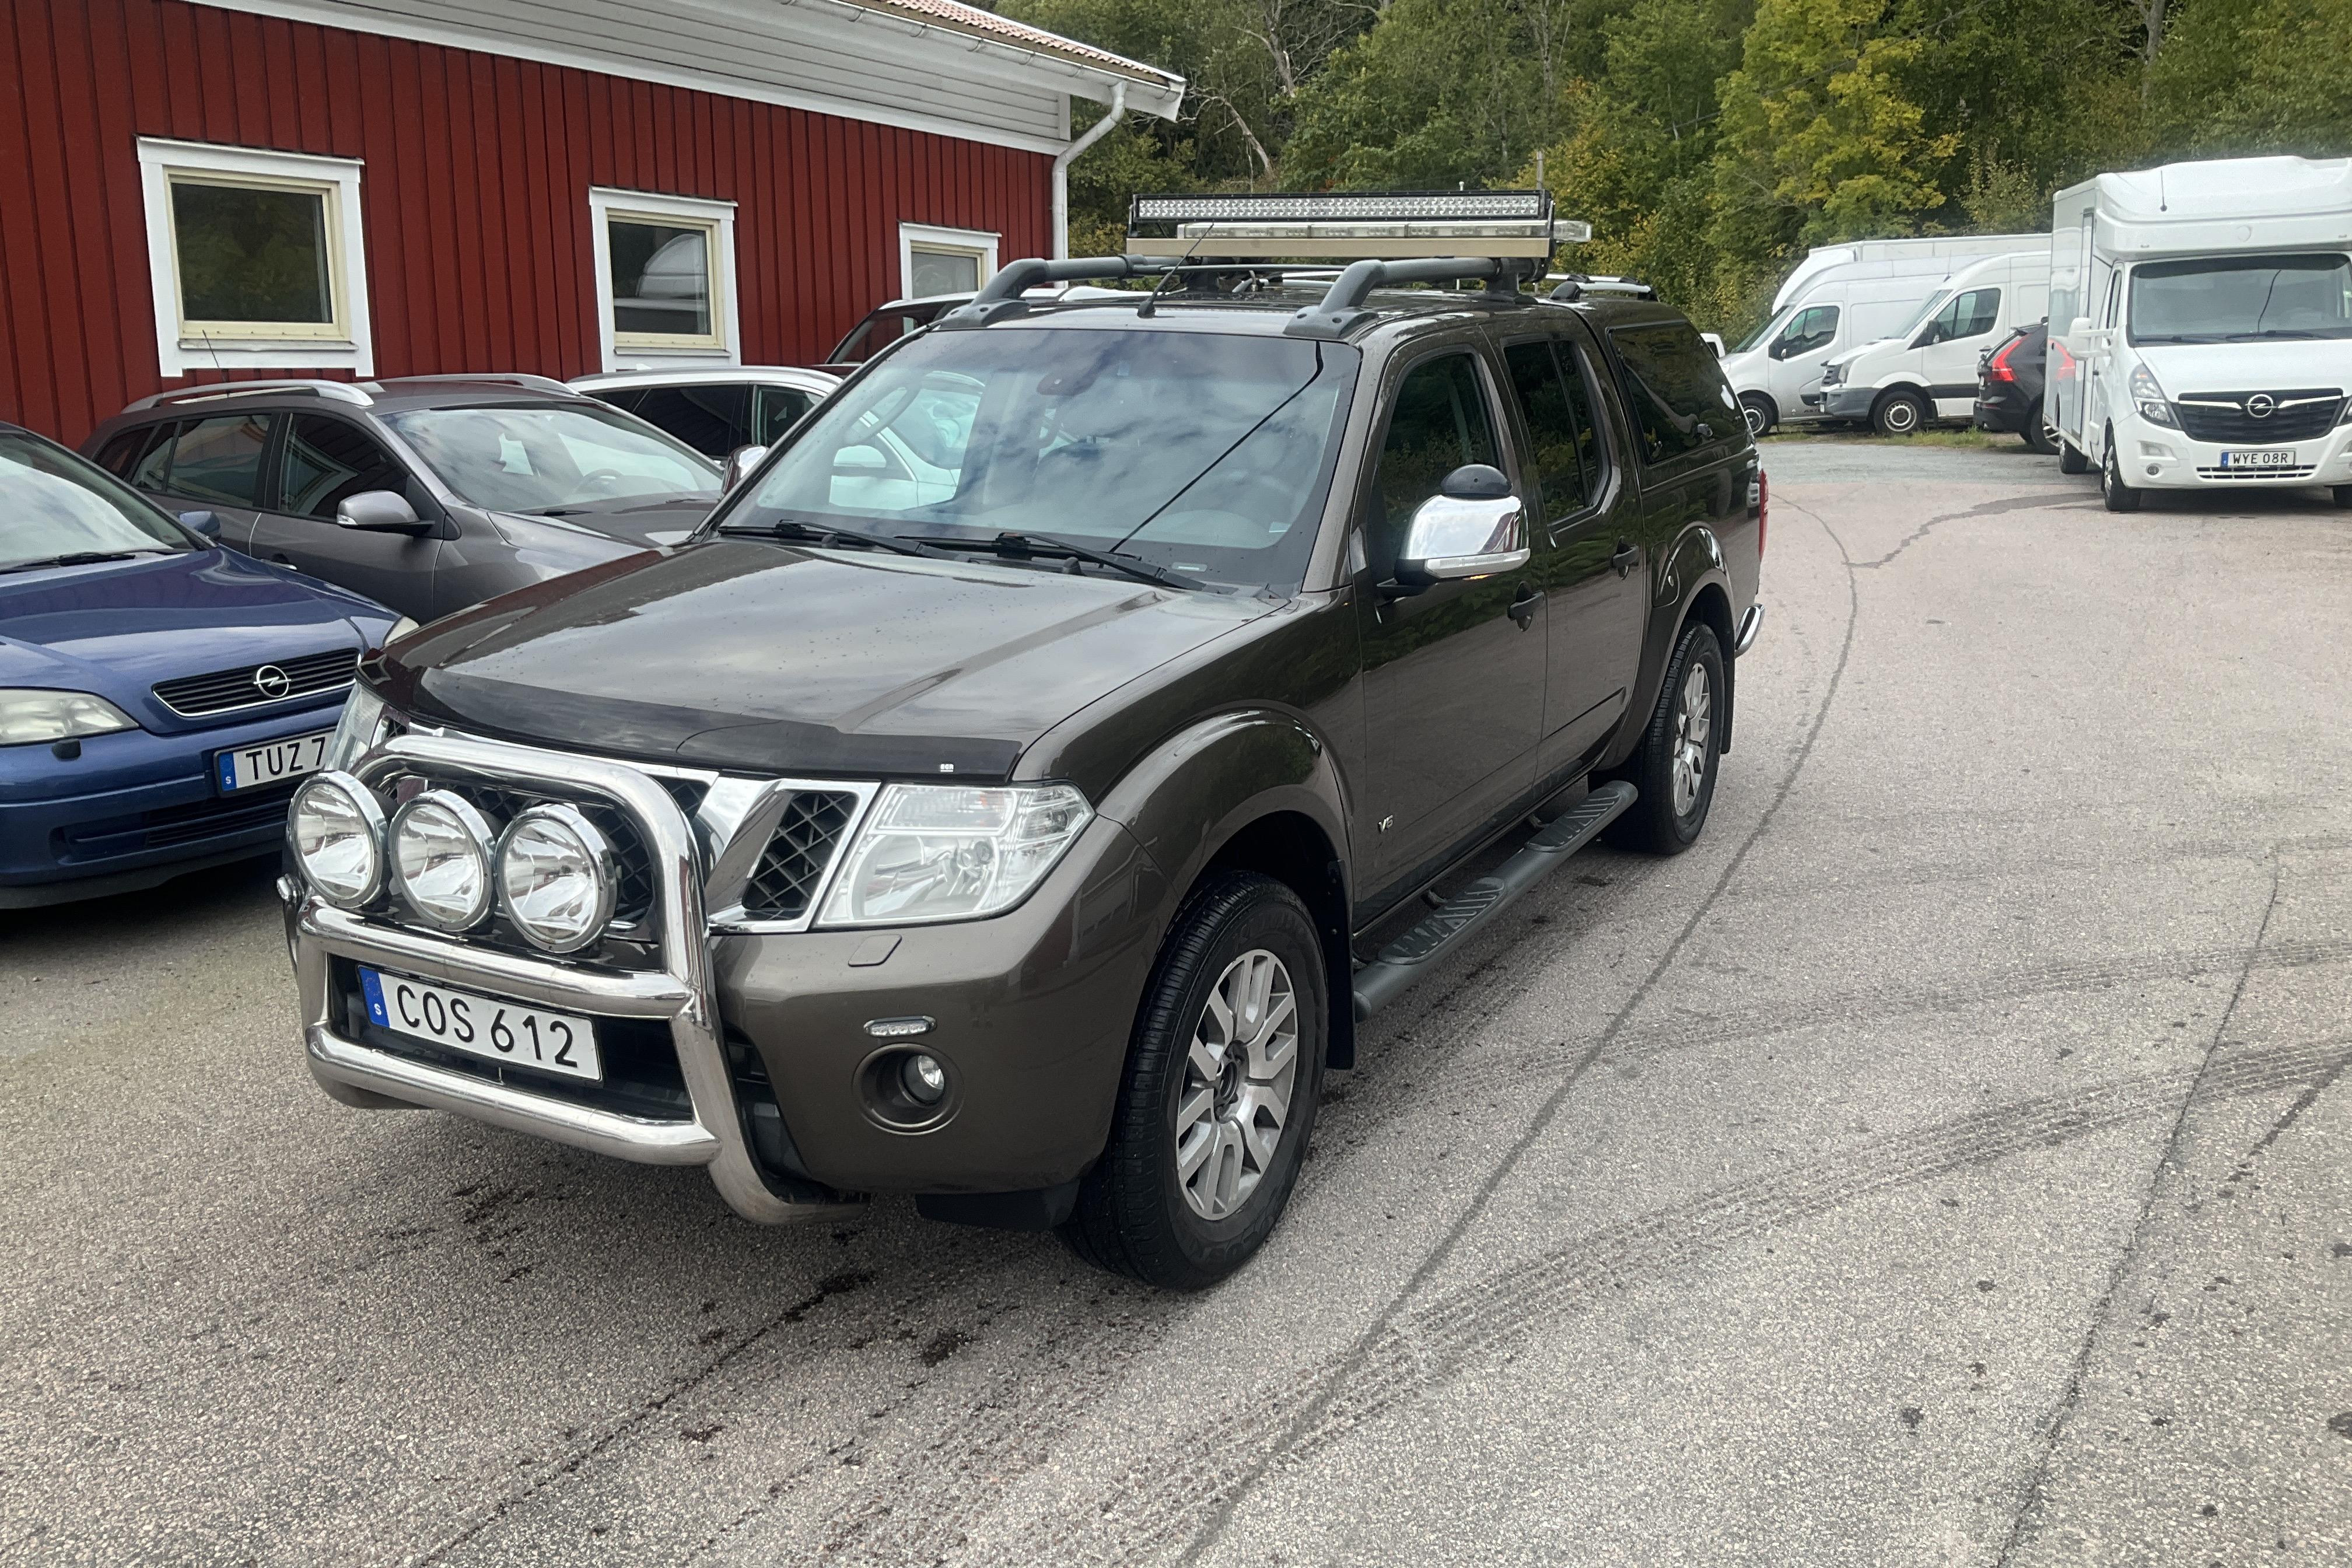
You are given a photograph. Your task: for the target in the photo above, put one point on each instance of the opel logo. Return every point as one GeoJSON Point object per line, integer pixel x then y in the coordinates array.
{"type": "Point", "coordinates": [2260, 404]}
{"type": "Point", "coordinates": [272, 682]}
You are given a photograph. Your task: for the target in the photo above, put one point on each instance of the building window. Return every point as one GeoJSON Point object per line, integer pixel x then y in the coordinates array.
{"type": "Point", "coordinates": [665, 278]}
{"type": "Point", "coordinates": [943, 261]}
{"type": "Point", "coordinates": [257, 259]}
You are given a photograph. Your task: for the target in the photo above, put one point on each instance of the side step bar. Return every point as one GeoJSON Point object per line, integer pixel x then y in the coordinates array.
{"type": "Point", "coordinates": [1407, 959]}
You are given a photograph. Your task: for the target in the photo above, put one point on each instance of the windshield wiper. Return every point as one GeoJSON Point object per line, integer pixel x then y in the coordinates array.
{"type": "Point", "coordinates": [2255, 337]}
{"type": "Point", "coordinates": [76, 558]}
{"type": "Point", "coordinates": [1026, 546]}
{"type": "Point", "coordinates": [827, 533]}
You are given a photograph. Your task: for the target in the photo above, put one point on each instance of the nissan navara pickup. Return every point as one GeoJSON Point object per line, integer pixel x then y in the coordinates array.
{"type": "Point", "coordinates": [1017, 792]}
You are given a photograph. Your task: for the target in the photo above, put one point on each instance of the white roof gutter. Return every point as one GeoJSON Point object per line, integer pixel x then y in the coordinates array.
{"type": "Point", "coordinates": [1062, 159]}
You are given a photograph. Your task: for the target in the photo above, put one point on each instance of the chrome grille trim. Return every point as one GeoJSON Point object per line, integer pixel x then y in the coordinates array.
{"type": "Point", "coordinates": [233, 690]}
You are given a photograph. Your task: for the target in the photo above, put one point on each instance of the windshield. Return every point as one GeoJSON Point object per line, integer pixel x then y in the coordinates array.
{"type": "Point", "coordinates": [2242, 298]}
{"type": "Point", "coordinates": [52, 503]}
{"type": "Point", "coordinates": [1766, 332]}
{"type": "Point", "coordinates": [1935, 303]}
{"type": "Point", "coordinates": [553, 457]}
{"type": "Point", "coordinates": [1202, 454]}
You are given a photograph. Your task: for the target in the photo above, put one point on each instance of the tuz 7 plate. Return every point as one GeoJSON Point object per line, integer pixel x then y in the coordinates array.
{"type": "Point", "coordinates": [2266, 457]}
{"type": "Point", "coordinates": [494, 1031]}
{"type": "Point", "coordinates": [272, 761]}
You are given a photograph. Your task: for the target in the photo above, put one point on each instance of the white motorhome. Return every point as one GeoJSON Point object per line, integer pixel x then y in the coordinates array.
{"type": "Point", "coordinates": [1928, 369]}
{"type": "Point", "coordinates": [2200, 324]}
{"type": "Point", "coordinates": [1838, 296]}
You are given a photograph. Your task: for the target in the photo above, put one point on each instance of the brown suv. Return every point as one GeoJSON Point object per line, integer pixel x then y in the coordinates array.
{"type": "Point", "coordinates": [1017, 792]}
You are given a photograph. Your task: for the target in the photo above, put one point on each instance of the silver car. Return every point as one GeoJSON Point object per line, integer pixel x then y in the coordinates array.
{"type": "Point", "coordinates": [425, 493]}
{"type": "Point", "coordinates": [719, 411]}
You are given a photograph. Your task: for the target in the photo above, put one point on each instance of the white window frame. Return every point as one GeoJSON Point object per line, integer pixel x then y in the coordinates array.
{"type": "Point", "coordinates": [977, 242]}
{"type": "Point", "coordinates": [184, 347]}
{"type": "Point", "coordinates": [641, 351]}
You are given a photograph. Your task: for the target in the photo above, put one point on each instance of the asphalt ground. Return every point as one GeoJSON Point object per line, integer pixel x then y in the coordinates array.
{"type": "Point", "coordinates": [1948, 1161]}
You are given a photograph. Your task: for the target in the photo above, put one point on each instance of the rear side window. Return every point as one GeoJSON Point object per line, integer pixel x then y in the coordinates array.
{"type": "Point", "coordinates": [1441, 421]}
{"type": "Point", "coordinates": [327, 461]}
{"type": "Point", "coordinates": [1559, 421]}
{"type": "Point", "coordinates": [713, 420]}
{"type": "Point", "coordinates": [1681, 401]}
{"type": "Point", "coordinates": [151, 468]}
{"type": "Point", "coordinates": [122, 455]}
{"type": "Point", "coordinates": [777, 410]}
{"type": "Point", "coordinates": [215, 459]}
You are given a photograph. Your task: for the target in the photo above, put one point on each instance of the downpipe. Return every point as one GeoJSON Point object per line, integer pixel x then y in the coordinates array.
{"type": "Point", "coordinates": [1068, 155]}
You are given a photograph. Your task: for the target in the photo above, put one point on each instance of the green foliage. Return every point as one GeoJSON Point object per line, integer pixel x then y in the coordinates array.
{"type": "Point", "coordinates": [1709, 141]}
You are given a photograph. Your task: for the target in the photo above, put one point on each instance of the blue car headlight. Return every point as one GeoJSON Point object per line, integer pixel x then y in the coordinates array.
{"type": "Point", "coordinates": [28, 715]}
{"type": "Point", "coordinates": [360, 727]}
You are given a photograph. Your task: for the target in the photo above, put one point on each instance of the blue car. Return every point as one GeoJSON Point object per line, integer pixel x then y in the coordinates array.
{"type": "Point", "coordinates": [160, 698]}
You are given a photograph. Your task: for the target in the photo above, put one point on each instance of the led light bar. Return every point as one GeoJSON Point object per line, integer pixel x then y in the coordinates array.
{"type": "Point", "coordinates": [1352, 226]}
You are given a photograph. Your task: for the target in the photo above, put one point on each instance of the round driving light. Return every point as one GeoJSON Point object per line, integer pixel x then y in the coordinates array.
{"type": "Point", "coordinates": [337, 829]}
{"type": "Point", "coordinates": [441, 859]}
{"type": "Point", "coordinates": [557, 877]}
{"type": "Point", "coordinates": [925, 1081]}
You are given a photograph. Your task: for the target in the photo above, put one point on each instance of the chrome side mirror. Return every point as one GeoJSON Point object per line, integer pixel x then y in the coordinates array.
{"type": "Point", "coordinates": [380, 511]}
{"type": "Point", "coordinates": [1474, 527]}
{"type": "Point", "coordinates": [741, 462]}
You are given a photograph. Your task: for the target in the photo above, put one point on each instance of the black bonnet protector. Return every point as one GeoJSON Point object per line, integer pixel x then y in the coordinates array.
{"type": "Point", "coordinates": [744, 655]}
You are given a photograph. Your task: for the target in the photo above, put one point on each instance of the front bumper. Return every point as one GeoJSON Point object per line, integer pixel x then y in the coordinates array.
{"type": "Point", "coordinates": [1030, 1011]}
{"type": "Point", "coordinates": [133, 810]}
{"type": "Point", "coordinates": [2157, 457]}
{"type": "Point", "coordinates": [1848, 402]}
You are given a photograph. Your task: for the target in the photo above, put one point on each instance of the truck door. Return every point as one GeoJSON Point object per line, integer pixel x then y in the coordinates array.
{"type": "Point", "coordinates": [1453, 675]}
{"type": "Point", "coordinates": [1585, 531]}
{"type": "Point", "coordinates": [1798, 352]}
{"type": "Point", "coordinates": [1948, 347]}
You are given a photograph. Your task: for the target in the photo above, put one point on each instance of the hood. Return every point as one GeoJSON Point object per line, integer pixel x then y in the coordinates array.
{"type": "Point", "coordinates": [736, 653]}
{"type": "Point", "coordinates": [116, 629]}
{"type": "Point", "coordinates": [648, 525]}
{"type": "Point", "coordinates": [2186, 369]}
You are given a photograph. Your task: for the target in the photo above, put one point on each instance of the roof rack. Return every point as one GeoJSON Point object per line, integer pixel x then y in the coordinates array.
{"type": "Point", "coordinates": [1353, 226]}
{"type": "Point", "coordinates": [500, 378]}
{"type": "Point", "coordinates": [1575, 286]}
{"type": "Point", "coordinates": [216, 391]}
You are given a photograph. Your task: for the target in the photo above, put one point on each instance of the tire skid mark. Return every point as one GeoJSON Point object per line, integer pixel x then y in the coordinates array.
{"type": "Point", "coordinates": [1156, 1510]}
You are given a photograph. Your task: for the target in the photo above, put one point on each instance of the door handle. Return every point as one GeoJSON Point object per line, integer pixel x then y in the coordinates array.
{"type": "Point", "coordinates": [1626, 558]}
{"type": "Point", "coordinates": [1523, 608]}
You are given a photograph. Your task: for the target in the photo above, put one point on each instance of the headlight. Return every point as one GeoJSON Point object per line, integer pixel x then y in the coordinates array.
{"type": "Point", "coordinates": [441, 859]}
{"type": "Point", "coordinates": [360, 727]}
{"type": "Point", "coordinates": [557, 877]}
{"type": "Point", "coordinates": [337, 830]}
{"type": "Point", "coordinates": [1832, 375]}
{"type": "Point", "coordinates": [30, 715]}
{"type": "Point", "coordinates": [933, 852]}
{"type": "Point", "coordinates": [2149, 399]}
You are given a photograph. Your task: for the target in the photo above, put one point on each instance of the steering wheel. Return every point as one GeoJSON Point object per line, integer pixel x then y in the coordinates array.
{"type": "Point", "coordinates": [603, 482]}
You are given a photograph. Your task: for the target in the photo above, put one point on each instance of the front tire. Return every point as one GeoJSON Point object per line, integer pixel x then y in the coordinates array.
{"type": "Point", "coordinates": [1675, 769]}
{"type": "Point", "coordinates": [1899, 414]}
{"type": "Point", "coordinates": [2118, 496]}
{"type": "Point", "coordinates": [1224, 1073]}
{"type": "Point", "coordinates": [2039, 436]}
{"type": "Point", "coordinates": [1759, 413]}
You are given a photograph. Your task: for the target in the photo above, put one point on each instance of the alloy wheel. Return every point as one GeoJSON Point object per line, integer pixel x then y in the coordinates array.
{"type": "Point", "coordinates": [1238, 1077]}
{"type": "Point", "coordinates": [1694, 722]}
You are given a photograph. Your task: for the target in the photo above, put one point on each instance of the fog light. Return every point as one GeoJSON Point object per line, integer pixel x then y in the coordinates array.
{"type": "Point", "coordinates": [924, 1079]}
{"type": "Point", "coordinates": [337, 829]}
{"type": "Point", "coordinates": [557, 877]}
{"type": "Point", "coordinates": [2154, 469]}
{"type": "Point", "coordinates": [441, 859]}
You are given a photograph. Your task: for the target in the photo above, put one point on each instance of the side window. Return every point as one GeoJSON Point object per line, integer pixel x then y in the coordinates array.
{"type": "Point", "coordinates": [1440, 421]}
{"type": "Point", "coordinates": [1552, 400]}
{"type": "Point", "coordinates": [123, 454]}
{"type": "Point", "coordinates": [326, 461]}
{"type": "Point", "coordinates": [218, 459]}
{"type": "Point", "coordinates": [153, 471]}
{"type": "Point", "coordinates": [1815, 327]}
{"type": "Point", "coordinates": [713, 420]}
{"type": "Point", "coordinates": [776, 410]}
{"type": "Point", "coordinates": [1971, 315]}
{"type": "Point", "coordinates": [1680, 400]}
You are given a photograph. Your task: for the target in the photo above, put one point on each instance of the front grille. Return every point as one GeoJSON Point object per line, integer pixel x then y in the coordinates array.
{"type": "Point", "coordinates": [2301, 416]}
{"type": "Point", "coordinates": [2304, 473]}
{"type": "Point", "coordinates": [167, 826]}
{"type": "Point", "coordinates": [224, 690]}
{"type": "Point", "coordinates": [633, 898]}
{"type": "Point", "coordinates": [798, 852]}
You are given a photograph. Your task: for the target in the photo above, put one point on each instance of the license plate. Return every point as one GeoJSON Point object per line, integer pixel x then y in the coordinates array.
{"type": "Point", "coordinates": [478, 1027]}
{"type": "Point", "coordinates": [2270, 458]}
{"type": "Point", "coordinates": [272, 761]}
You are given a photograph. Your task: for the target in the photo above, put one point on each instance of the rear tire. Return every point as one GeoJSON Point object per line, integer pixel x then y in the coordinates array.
{"type": "Point", "coordinates": [2039, 436]}
{"type": "Point", "coordinates": [2120, 495]}
{"type": "Point", "coordinates": [1675, 769]}
{"type": "Point", "coordinates": [1761, 416]}
{"type": "Point", "coordinates": [2071, 460]}
{"type": "Point", "coordinates": [1899, 414]}
{"type": "Point", "coordinates": [1215, 1106]}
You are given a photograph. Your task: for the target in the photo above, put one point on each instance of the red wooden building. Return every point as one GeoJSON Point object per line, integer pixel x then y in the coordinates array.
{"type": "Point", "coordinates": [198, 189]}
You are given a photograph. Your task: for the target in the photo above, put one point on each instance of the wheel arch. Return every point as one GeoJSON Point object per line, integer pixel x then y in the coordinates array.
{"type": "Point", "coordinates": [1699, 584]}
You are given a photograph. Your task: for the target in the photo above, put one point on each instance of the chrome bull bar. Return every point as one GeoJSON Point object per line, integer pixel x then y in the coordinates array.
{"type": "Point", "coordinates": [680, 992]}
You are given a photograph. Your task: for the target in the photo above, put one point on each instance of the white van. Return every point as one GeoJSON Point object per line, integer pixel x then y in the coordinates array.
{"type": "Point", "coordinates": [1928, 369]}
{"type": "Point", "coordinates": [2200, 324]}
{"type": "Point", "coordinates": [1840, 297]}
